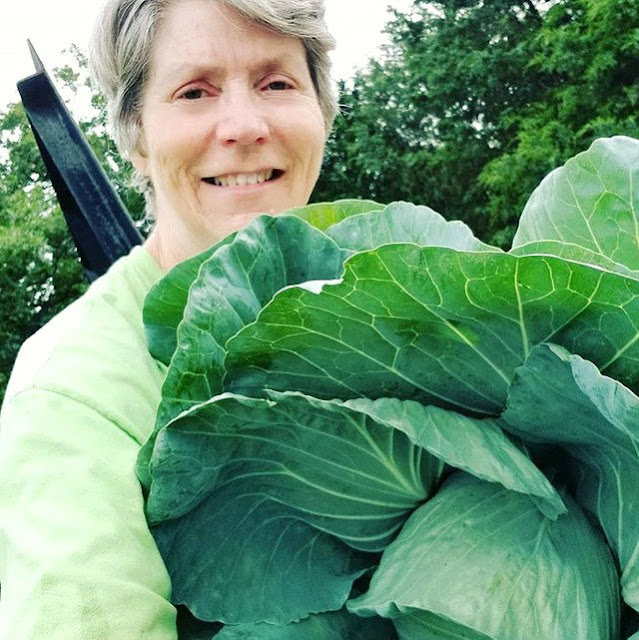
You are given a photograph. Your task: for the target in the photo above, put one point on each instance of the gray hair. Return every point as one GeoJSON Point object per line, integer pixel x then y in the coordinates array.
{"type": "Point", "coordinates": [120, 54]}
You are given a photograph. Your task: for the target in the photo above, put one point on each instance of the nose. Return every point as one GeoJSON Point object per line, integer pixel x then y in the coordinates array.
{"type": "Point", "coordinates": [242, 120]}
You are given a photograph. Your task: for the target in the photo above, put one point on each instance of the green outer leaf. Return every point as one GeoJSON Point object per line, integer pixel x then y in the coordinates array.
{"type": "Point", "coordinates": [404, 222]}
{"type": "Point", "coordinates": [476, 446]}
{"type": "Point", "coordinates": [323, 215]}
{"type": "Point", "coordinates": [247, 487]}
{"type": "Point", "coordinates": [231, 287]}
{"type": "Point", "coordinates": [484, 557]}
{"type": "Point", "coordinates": [336, 625]}
{"type": "Point", "coordinates": [230, 290]}
{"type": "Point", "coordinates": [422, 624]}
{"type": "Point", "coordinates": [592, 201]}
{"type": "Point", "coordinates": [238, 559]}
{"type": "Point", "coordinates": [342, 471]}
{"type": "Point", "coordinates": [575, 253]}
{"type": "Point", "coordinates": [164, 304]}
{"type": "Point", "coordinates": [562, 399]}
{"type": "Point", "coordinates": [437, 326]}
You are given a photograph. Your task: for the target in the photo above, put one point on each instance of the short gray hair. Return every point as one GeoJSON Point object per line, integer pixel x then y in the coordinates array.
{"type": "Point", "coordinates": [120, 54]}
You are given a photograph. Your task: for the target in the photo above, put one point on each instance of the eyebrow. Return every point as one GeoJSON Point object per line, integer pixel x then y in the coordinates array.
{"type": "Point", "coordinates": [198, 69]}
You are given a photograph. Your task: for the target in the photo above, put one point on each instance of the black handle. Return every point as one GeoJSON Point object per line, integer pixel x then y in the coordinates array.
{"type": "Point", "coordinates": [100, 225]}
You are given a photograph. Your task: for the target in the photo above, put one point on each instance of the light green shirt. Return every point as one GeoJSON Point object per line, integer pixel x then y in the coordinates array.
{"type": "Point", "coordinates": [77, 560]}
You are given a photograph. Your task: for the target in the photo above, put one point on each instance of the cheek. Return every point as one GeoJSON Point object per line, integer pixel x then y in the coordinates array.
{"type": "Point", "coordinates": [173, 140]}
{"type": "Point", "coordinates": [319, 147]}
{"type": "Point", "coordinates": [310, 137]}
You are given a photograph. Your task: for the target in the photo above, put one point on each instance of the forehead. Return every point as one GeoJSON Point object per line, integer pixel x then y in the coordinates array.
{"type": "Point", "coordinates": [206, 33]}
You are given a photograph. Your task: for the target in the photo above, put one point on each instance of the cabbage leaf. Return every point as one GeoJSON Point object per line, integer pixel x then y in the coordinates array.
{"type": "Point", "coordinates": [601, 436]}
{"type": "Point", "coordinates": [288, 488]}
{"type": "Point", "coordinates": [478, 561]}
{"type": "Point", "coordinates": [592, 202]}
{"type": "Point", "coordinates": [367, 399]}
{"type": "Point", "coordinates": [336, 625]}
{"type": "Point", "coordinates": [437, 326]}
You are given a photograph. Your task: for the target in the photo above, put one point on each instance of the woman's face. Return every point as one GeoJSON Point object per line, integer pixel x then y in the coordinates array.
{"type": "Point", "coordinates": [231, 127]}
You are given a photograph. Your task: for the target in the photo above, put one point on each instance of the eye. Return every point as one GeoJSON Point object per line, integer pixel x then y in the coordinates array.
{"type": "Point", "coordinates": [195, 91]}
{"type": "Point", "coordinates": [192, 94]}
{"type": "Point", "coordinates": [278, 85]}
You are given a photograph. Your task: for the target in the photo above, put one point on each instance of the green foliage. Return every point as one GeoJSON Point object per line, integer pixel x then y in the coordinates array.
{"type": "Point", "coordinates": [339, 407]}
{"type": "Point", "coordinates": [586, 55]}
{"type": "Point", "coordinates": [428, 117]}
{"type": "Point", "coordinates": [474, 102]}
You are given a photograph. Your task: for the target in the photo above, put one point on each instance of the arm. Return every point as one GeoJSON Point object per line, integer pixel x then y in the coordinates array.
{"type": "Point", "coordinates": [77, 560]}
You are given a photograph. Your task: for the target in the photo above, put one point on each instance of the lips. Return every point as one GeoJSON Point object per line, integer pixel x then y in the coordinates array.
{"type": "Point", "coordinates": [244, 179]}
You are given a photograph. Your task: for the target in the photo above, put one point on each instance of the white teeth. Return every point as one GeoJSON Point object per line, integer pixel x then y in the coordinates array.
{"type": "Point", "coordinates": [243, 179]}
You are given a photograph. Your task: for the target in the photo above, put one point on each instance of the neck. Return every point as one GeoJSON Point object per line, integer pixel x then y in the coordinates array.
{"type": "Point", "coordinates": [167, 255]}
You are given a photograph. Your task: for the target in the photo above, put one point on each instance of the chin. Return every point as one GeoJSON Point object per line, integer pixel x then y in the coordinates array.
{"type": "Point", "coordinates": [237, 222]}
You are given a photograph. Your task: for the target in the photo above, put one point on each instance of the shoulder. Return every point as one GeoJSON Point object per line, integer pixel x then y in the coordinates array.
{"type": "Point", "coordinates": [94, 352]}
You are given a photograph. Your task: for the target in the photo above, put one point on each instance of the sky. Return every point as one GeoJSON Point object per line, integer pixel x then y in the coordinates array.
{"type": "Point", "coordinates": [53, 25]}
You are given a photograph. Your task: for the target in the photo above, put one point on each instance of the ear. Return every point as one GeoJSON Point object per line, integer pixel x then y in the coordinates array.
{"type": "Point", "coordinates": [141, 163]}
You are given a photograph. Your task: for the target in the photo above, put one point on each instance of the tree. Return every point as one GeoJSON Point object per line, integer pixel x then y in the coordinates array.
{"type": "Point", "coordinates": [474, 102]}
{"type": "Point", "coordinates": [429, 116]}
{"type": "Point", "coordinates": [587, 55]}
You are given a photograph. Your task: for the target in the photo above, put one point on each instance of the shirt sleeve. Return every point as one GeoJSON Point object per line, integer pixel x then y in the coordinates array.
{"type": "Point", "coordinates": [77, 559]}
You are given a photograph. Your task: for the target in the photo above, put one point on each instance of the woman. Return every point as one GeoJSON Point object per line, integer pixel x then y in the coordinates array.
{"type": "Point", "coordinates": [224, 107]}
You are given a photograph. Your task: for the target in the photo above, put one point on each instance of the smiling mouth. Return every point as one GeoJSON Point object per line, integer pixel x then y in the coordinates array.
{"type": "Point", "coordinates": [244, 179]}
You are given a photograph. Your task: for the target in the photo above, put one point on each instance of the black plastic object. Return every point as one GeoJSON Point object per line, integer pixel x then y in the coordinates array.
{"type": "Point", "coordinates": [100, 225]}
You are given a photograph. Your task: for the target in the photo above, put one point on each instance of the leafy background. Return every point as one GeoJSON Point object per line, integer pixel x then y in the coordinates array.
{"type": "Point", "coordinates": [468, 108]}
